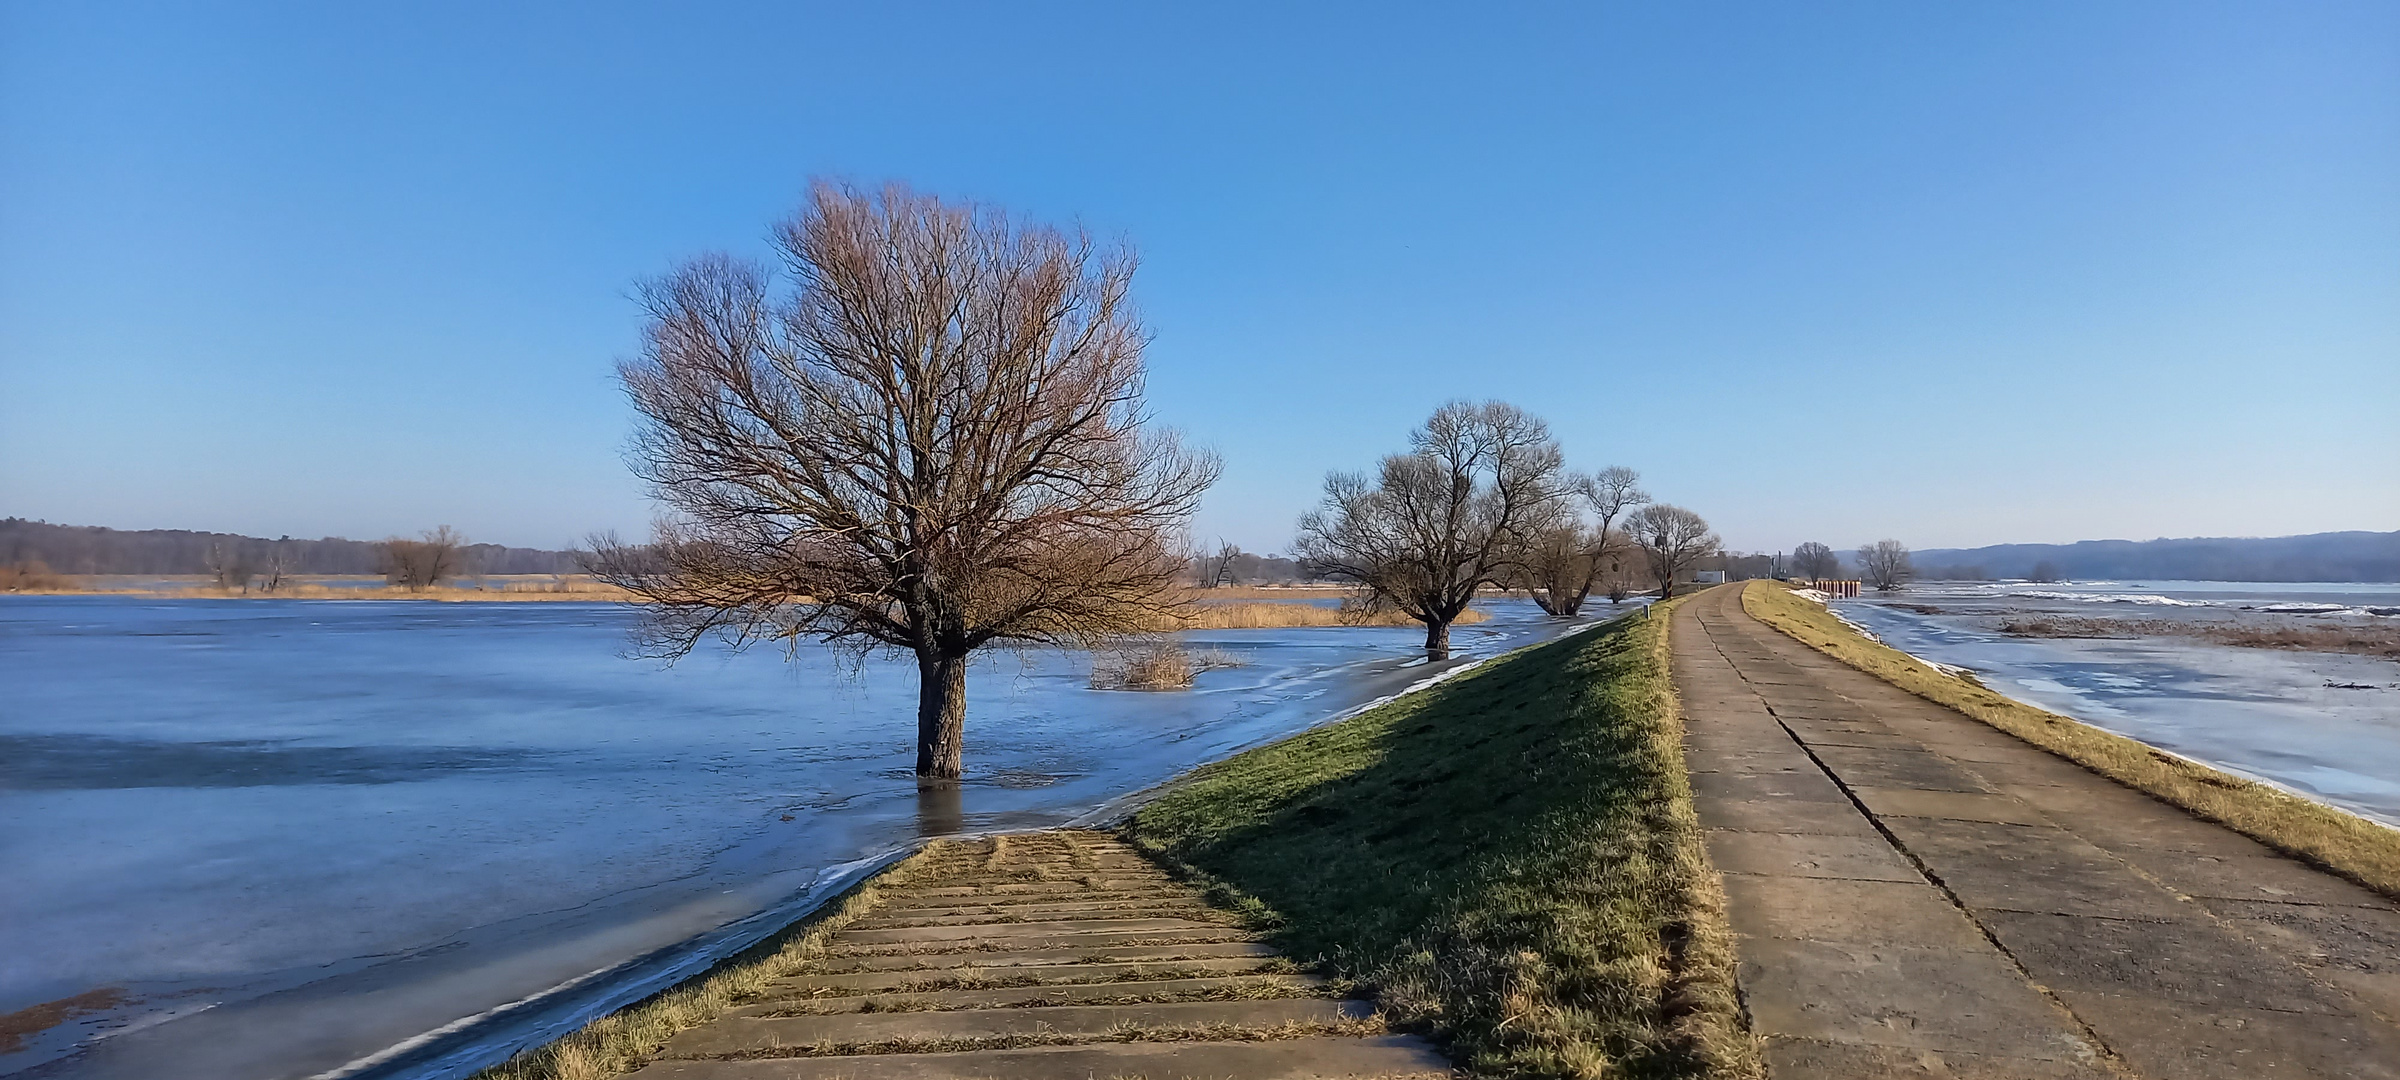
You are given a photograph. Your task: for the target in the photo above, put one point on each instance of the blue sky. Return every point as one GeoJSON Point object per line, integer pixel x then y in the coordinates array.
{"type": "Point", "coordinates": [1947, 273]}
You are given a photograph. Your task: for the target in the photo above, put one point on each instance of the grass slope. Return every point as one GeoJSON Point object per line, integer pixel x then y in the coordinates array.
{"type": "Point", "coordinates": [2345, 844]}
{"type": "Point", "coordinates": [1509, 859]}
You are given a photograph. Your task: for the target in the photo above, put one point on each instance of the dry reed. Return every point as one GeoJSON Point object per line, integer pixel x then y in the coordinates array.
{"type": "Point", "coordinates": [1162, 665]}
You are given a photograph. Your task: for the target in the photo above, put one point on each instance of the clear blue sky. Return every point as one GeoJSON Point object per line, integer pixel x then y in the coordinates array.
{"type": "Point", "coordinates": [1955, 274]}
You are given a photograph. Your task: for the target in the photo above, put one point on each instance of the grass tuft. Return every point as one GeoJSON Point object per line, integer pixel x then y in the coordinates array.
{"type": "Point", "coordinates": [1510, 860]}
{"type": "Point", "coordinates": [2345, 844]}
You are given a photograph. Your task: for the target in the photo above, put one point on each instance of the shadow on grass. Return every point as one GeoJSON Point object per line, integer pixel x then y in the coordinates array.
{"type": "Point", "coordinates": [1509, 860]}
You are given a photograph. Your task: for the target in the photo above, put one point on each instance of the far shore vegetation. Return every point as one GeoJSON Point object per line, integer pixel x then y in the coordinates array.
{"type": "Point", "coordinates": [2369, 640]}
{"type": "Point", "coordinates": [1508, 861]}
{"type": "Point", "coordinates": [2346, 844]}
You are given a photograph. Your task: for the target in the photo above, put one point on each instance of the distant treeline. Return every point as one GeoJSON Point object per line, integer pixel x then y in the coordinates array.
{"type": "Point", "coordinates": [2336, 556]}
{"type": "Point", "coordinates": [88, 549]}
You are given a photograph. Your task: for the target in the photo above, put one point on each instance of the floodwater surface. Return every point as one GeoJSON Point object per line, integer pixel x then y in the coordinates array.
{"type": "Point", "coordinates": [2323, 725]}
{"type": "Point", "coordinates": [286, 838]}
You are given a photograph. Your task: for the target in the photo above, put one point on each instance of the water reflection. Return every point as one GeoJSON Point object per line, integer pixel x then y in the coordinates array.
{"type": "Point", "coordinates": [941, 809]}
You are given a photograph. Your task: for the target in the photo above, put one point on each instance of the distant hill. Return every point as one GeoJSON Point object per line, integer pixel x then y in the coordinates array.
{"type": "Point", "coordinates": [2335, 556]}
{"type": "Point", "coordinates": [91, 549]}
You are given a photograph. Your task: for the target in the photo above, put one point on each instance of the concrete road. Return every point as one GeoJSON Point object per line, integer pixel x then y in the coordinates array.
{"type": "Point", "coordinates": [1917, 894]}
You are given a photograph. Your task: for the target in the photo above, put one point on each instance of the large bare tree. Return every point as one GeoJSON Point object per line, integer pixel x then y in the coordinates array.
{"type": "Point", "coordinates": [1815, 561]}
{"type": "Point", "coordinates": [1441, 521]}
{"type": "Point", "coordinates": [1885, 564]}
{"type": "Point", "coordinates": [932, 440]}
{"type": "Point", "coordinates": [1562, 555]}
{"type": "Point", "coordinates": [420, 564]}
{"type": "Point", "coordinates": [1673, 538]}
{"type": "Point", "coordinates": [1611, 494]}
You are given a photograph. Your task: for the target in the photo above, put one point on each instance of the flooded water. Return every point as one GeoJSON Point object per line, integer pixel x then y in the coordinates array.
{"type": "Point", "coordinates": [327, 838]}
{"type": "Point", "coordinates": [2324, 725]}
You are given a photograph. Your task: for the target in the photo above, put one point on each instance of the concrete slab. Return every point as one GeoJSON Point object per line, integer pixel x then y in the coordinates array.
{"type": "Point", "coordinates": [1013, 930]}
{"type": "Point", "coordinates": [1809, 1059]}
{"type": "Point", "coordinates": [1860, 858]}
{"type": "Point", "coordinates": [2182, 1040]}
{"type": "Point", "coordinates": [839, 961]}
{"type": "Point", "coordinates": [1783, 815]}
{"type": "Point", "coordinates": [2265, 877]}
{"type": "Point", "coordinates": [1017, 974]}
{"type": "Point", "coordinates": [2032, 868]}
{"type": "Point", "coordinates": [2356, 949]}
{"type": "Point", "coordinates": [1949, 805]}
{"type": "Point", "coordinates": [1929, 999]}
{"type": "Point", "coordinates": [1892, 767]}
{"type": "Point", "coordinates": [2197, 960]}
{"type": "Point", "coordinates": [1786, 758]}
{"type": "Point", "coordinates": [1294, 985]}
{"type": "Point", "coordinates": [1768, 786]}
{"type": "Point", "coordinates": [743, 1034]}
{"type": "Point", "coordinates": [1852, 912]}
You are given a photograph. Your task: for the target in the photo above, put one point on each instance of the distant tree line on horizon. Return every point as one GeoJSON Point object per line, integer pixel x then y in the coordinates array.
{"type": "Point", "coordinates": [92, 549]}
{"type": "Point", "coordinates": [2336, 556]}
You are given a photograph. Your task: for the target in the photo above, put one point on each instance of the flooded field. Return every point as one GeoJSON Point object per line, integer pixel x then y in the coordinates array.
{"type": "Point", "coordinates": [265, 838]}
{"type": "Point", "coordinates": [2144, 659]}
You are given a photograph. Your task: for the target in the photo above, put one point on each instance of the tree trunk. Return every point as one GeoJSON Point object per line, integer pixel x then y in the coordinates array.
{"type": "Point", "coordinates": [941, 719]}
{"type": "Point", "coordinates": [1437, 640]}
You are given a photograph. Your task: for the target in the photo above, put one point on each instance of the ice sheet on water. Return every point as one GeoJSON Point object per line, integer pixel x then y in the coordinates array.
{"type": "Point", "coordinates": [2145, 599]}
{"type": "Point", "coordinates": [2325, 725]}
{"type": "Point", "coordinates": [411, 813]}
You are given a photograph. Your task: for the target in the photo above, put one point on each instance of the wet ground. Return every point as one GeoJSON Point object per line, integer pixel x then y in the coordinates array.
{"type": "Point", "coordinates": [2326, 725]}
{"type": "Point", "coordinates": [318, 838]}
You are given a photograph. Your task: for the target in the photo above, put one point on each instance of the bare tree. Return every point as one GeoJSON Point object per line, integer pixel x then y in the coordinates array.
{"type": "Point", "coordinates": [933, 440]}
{"type": "Point", "coordinates": [1672, 538]}
{"type": "Point", "coordinates": [1884, 564]}
{"type": "Point", "coordinates": [278, 569]}
{"type": "Point", "coordinates": [1611, 493]}
{"type": "Point", "coordinates": [1556, 563]}
{"type": "Point", "coordinates": [1439, 522]}
{"type": "Point", "coordinates": [1217, 569]}
{"type": "Point", "coordinates": [229, 569]}
{"type": "Point", "coordinates": [2043, 572]}
{"type": "Point", "coordinates": [1815, 561]}
{"type": "Point", "coordinates": [421, 564]}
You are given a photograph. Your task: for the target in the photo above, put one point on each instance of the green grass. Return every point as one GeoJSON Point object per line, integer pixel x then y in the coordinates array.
{"type": "Point", "coordinates": [1508, 860]}
{"type": "Point", "coordinates": [2343, 843]}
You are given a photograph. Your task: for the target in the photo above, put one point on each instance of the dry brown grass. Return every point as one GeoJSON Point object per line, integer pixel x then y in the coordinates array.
{"type": "Point", "coordinates": [545, 587]}
{"type": "Point", "coordinates": [1162, 665]}
{"type": "Point", "coordinates": [2383, 641]}
{"type": "Point", "coordinates": [2345, 844]}
{"type": "Point", "coordinates": [626, 1040]}
{"type": "Point", "coordinates": [1273, 592]}
{"type": "Point", "coordinates": [34, 576]}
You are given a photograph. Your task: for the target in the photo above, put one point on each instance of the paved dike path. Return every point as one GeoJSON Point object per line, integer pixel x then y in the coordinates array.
{"type": "Point", "coordinates": [1917, 894]}
{"type": "Point", "coordinates": [1058, 954]}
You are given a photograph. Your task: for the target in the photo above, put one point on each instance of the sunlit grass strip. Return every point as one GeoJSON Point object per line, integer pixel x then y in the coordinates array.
{"type": "Point", "coordinates": [2346, 844]}
{"type": "Point", "coordinates": [1509, 860]}
{"type": "Point", "coordinates": [628, 1039]}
